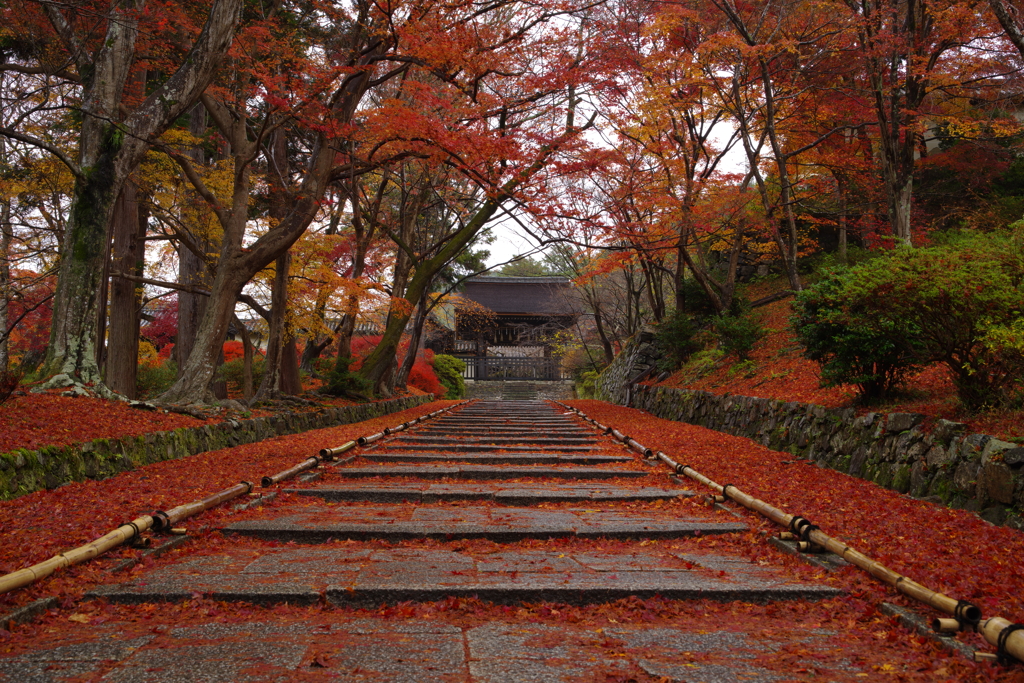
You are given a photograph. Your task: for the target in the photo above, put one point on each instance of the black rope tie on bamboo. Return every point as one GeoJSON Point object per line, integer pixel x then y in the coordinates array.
{"type": "Point", "coordinates": [1002, 656]}
{"type": "Point", "coordinates": [681, 469]}
{"type": "Point", "coordinates": [725, 491]}
{"type": "Point", "coordinates": [967, 613]}
{"type": "Point", "coordinates": [802, 528]}
{"type": "Point", "coordinates": [135, 529]}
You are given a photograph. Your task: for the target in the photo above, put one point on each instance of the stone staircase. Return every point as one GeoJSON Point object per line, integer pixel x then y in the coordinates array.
{"type": "Point", "coordinates": [518, 391]}
{"type": "Point", "coordinates": [456, 508]}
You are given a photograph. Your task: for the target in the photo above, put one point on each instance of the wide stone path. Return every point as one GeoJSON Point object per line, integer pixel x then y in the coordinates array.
{"type": "Point", "coordinates": [510, 502]}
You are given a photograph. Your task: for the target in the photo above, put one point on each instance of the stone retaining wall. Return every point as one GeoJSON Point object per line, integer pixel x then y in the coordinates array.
{"type": "Point", "coordinates": [24, 471]}
{"type": "Point", "coordinates": [944, 463]}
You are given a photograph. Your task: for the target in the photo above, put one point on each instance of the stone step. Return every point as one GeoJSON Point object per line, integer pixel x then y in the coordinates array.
{"type": "Point", "coordinates": [505, 416]}
{"type": "Point", "coordinates": [372, 577]}
{"type": "Point", "coordinates": [514, 430]}
{"type": "Point", "coordinates": [485, 472]}
{"type": "Point", "coordinates": [499, 459]}
{"type": "Point", "coordinates": [453, 434]}
{"type": "Point", "coordinates": [519, 494]}
{"type": "Point", "coordinates": [525, 440]}
{"type": "Point", "coordinates": [501, 525]}
{"type": "Point", "coordinates": [336, 645]}
{"type": "Point", "coordinates": [507, 410]}
{"type": "Point", "coordinates": [458, 447]}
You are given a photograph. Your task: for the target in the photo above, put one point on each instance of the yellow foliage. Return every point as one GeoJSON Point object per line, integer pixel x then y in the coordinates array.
{"type": "Point", "coordinates": [148, 354]}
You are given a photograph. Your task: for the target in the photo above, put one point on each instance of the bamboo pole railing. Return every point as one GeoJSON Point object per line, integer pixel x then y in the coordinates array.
{"type": "Point", "coordinates": [118, 536]}
{"type": "Point", "coordinates": [331, 453]}
{"type": "Point", "coordinates": [164, 521]}
{"type": "Point", "coordinates": [1006, 636]}
{"type": "Point", "coordinates": [283, 475]}
{"type": "Point", "coordinates": [615, 433]}
{"type": "Point", "coordinates": [328, 453]}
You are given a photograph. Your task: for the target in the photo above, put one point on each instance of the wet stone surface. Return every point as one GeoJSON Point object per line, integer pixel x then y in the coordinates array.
{"type": "Point", "coordinates": [502, 458]}
{"type": "Point", "coordinates": [414, 651]}
{"type": "Point", "coordinates": [501, 524]}
{"type": "Point", "coordinates": [374, 577]}
{"type": "Point", "coordinates": [518, 494]}
{"type": "Point", "coordinates": [488, 472]}
{"type": "Point", "coordinates": [504, 503]}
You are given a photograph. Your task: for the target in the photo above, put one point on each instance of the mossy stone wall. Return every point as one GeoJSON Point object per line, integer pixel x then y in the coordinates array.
{"type": "Point", "coordinates": [944, 463]}
{"type": "Point", "coordinates": [23, 471]}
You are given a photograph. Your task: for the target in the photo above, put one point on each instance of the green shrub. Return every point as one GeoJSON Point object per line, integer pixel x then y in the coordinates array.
{"type": "Point", "coordinates": [676, 339]}
{"type": "Point", "coordinates": [586, 386]}
{"type": "Point", "coordinates": [822, 265]}
{"type": "Point", "coordinates": [449, 371]}
{"type": "Point", "coordinates": [152, 379]}
{"type": "Point", "coordinates": [342, 382]}
{"type": "Point", "coordinates": [737, 333]}
{"type": "Point", "coordinates": [745, 368]}
{"type": "Point", "coordinates": [848, 348]}
{"type": "Point", "coordinates": [697, 303]}
{"type": "Point", "coordinates": [875, 322]}
{"type": "Point", "coordinates": [701, 363]}
{"type": "Point", "coordinates": [694, 300]}
{"type": "Point", "coordinates": [233, 370]}
{"type": "Point", "coordinates": [1004, 360]}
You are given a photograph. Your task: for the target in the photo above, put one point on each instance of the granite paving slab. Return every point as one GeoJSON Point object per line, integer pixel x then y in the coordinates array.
{"type": "Point", "coordinates": [430, 430]}
{"type": "Point", "coordinates": [522, 446]}
{"type": "Point", "coordinates": [521, 494]}
{"type": "Point", "coordinates": [508, 417]}
{"type": "Point", "coordinates": [350, 649]}
{"type": "Point", "coordinates": [494, 439]}
{"type": "Point", "coordinates": [500, 524]}
{"type": "Point", "coordinates": [487, 472]}
{"type": "Point", "coordinates": [499, 458]}
{"type": "Point", "coordinates": [369, 578]}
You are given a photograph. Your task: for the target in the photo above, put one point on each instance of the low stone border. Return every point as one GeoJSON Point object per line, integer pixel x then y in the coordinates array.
{"type": "Point", "coordinates": [913, 621]}
{"type": "Point", "coordinates": [24, 471]}
{"type": "Point", "coordinates": [945, 464]}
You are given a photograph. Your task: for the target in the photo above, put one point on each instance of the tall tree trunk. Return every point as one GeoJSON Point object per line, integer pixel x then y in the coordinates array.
{"type": "Point", "coordinates": [6, 238]}
{"type": "Point", "coordinates": [193, 384]}
{"type": "Point", "coordinates": [291, 379]}
{"type": "Point", "coordinates": [248, 353]}
{"type": "Point", "coordinates": [270, 387]}
{"type": "Point", "coordinates": [125, 300]}
{"type": "Point", "coordinates": [841, 191]}
{"type": "Point", "coordinates": [606, 344]}
{"type": "Point", "coordinates": [107, 155]}
{"type": "Point", "coordinates": [379, 366]}
{"type": "Point", "coordinates": [192, 270]}
{"type": "Point", "coordinates": [278, 337]}
{"type": "Point", "coordinates": [237, 266]}
{"type": "Point", "coordinates": [402, 376]}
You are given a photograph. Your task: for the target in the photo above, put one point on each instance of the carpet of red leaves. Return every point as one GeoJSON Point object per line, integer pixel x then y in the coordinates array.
{"type": "Point", "coordinates": [951, 551]}
{"type": "Point", "coordinates": [33, 421]}
{"type": "Point", "coordinates": [36, 420]}
{"type": "Point", "coordinates": [923, 541]}
{"type": "Point", "coordinates": [781, 372]}
{"type": "Point", "coordinates": [39, 525]}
